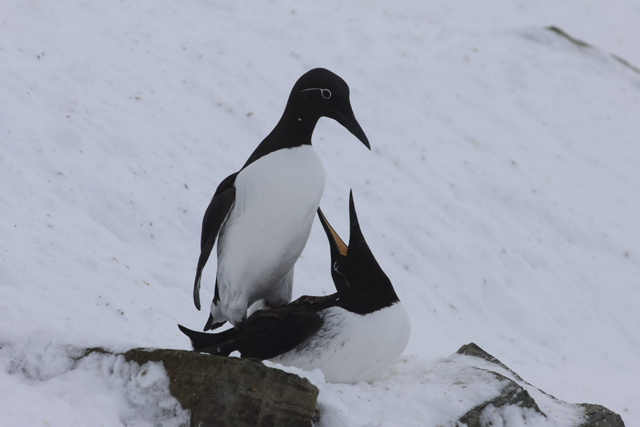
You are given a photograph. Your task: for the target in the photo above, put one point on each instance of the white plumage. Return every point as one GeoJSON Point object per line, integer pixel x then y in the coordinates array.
{"type": "Point", "coordinates": [277, 197]}
{"type": "Point", "coordinates": [352, 347]}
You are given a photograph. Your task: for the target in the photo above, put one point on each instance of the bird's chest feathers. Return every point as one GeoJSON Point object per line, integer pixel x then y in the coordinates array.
{"type": "Point", "coordinates": [285, 185]}
{"type": "Point", "coordinates": [276, 200]}
{"type": "Point", "coordinates": [352, 347]}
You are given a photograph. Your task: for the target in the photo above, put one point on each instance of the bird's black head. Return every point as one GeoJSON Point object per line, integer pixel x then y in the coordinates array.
{"type": "Point", "coordinates": [321, 93]}
{"type": "Point", "coordinates": [318, 93]}
{"type": "Point", "coordinates": [361, 284]}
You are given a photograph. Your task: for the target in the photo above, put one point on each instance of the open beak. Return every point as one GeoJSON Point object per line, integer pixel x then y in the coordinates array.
{"type": "Point", "coordinates": [334, 240]}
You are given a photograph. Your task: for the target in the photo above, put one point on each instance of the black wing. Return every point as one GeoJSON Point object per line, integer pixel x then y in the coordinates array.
{"type": "Point", "coordinates": [214, 217]}
{"type": "Point", "coordinates": [202, 340]}
{"type": "Point", "coordinates": [266, 338]}
{"type": "Point", "coordinates": [272, 336]}
{"type": "Point", "coordinates": [267, 333]}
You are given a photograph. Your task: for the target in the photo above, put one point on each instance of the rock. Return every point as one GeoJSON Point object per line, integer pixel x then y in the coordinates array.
{"type": "Point", "coordinates": [514, 394]}
{"type": "Point", "coordinates": [230, 391]}
{"type": "Point", "coordinates": [223, 391]}
{"type": "Point", "coordinates": [599, 416]}
{"type": "Point", "coordinates": [572, 39]}
{"type": "Point", "coordinates": [584, 45]}
{"type": "Point", "coordinates": [511, 394]}
{"type": "Point", "coordinates": [473, 350]}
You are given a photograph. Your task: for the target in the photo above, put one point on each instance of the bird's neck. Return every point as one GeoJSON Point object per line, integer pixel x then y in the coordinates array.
{"type": "Point", "coordinates": [365, 303]}
{"type": "Point", "coordinates": [366, 294]}
{"type": "Point", "coordinates": [293, 130]}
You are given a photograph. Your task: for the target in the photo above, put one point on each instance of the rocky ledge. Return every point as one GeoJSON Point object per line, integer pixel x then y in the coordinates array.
{"type": "Point", "coordinates": [229, 391]}
{"type": "Point", "coordinates": [513, 394]}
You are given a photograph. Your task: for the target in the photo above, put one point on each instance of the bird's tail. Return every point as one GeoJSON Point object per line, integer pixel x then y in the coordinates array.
{"type": "Point", "coordinates": [210, 325]}
{"type": "Point", "coordinates": [208, 343]}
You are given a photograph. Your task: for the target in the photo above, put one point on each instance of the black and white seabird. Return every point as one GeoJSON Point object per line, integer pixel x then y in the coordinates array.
{"type": "Point", "coordinates": [352, 335]}
{"type": "Point", "coordinates": [262, 214]}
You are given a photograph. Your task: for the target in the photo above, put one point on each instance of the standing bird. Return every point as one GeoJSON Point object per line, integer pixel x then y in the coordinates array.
{"type": "Point", "coordinates": [352, 335]}
{"type": "Point", "coordinates": [262, 214]}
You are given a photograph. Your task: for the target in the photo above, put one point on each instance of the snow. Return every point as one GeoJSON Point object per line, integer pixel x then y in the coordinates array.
{"type": "Point", "coordinates": [43, 386]}
{"type": "Point", "coordinates": [501, 194]}
{"type": "Point", "coordinates": [433, 393]}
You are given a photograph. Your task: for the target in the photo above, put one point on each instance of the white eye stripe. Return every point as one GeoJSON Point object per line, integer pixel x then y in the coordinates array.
{"type": "Point", "coordinates": [335, 268]}
{"type": "Point", "coordinates": [326, 93]}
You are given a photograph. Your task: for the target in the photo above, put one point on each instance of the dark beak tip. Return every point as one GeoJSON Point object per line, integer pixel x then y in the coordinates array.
{"type": "Point", "coordinates": [359, 133]}
{"type": "Point", "coordinates": [351, 124]}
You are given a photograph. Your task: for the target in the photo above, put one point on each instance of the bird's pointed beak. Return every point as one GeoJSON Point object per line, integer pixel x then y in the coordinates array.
{"type": "Point", "coordinates": [357, 242]}
{"type": "Point", "coordinates": [348, 120]}
{"type": "Point", "coordinates": [335, 241]}
{"type": "Point", "coordinates": [355, 234]}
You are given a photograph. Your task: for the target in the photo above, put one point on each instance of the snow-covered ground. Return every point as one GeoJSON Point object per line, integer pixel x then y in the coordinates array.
{"type": "Point", "coordinates": [501, 196]}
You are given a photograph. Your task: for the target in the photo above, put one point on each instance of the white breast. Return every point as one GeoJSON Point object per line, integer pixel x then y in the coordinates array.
{"type": "Point", "coordinates": [351, 347]}
{"type": "Point", "coordinates": [276, 200]}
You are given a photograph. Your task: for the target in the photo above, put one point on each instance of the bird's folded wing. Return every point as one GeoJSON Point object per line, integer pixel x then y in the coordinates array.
{"type": "Point", "coordinates": [214, 217]}
{"type": "Point", "coordinates": [267, 336]}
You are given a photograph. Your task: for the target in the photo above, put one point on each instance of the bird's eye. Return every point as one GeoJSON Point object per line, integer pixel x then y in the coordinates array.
{"type": "Point", "coordinates": [326, 93]}
{"type": "Point", "coordinates": [335, 268]}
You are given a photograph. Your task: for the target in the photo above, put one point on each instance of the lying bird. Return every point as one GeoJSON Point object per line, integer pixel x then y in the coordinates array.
{"type": "Point", "coordinates": [262, 214]}
{"type": "Point", "coordinates": [352, 335]}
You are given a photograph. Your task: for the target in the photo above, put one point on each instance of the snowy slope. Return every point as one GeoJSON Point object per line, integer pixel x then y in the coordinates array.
{"type": "Point", "coordinates": [501, 195]}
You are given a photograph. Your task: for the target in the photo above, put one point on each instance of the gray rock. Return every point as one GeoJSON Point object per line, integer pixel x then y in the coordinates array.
{"type": "Point", "coordinates": [229, 391]}
{"type": "Point", "coordinates": [584, 45]}
{"type": "Point", "coordinates": [514, 394]}
{"type": "Point", "coordinates": [599, 416]}
{"type": "Point", "coordinates": [572, 39]}
{"type": "Point", "coordinates": [223, 391]}
{"type": "Point", "coordinates": [511, 394]}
